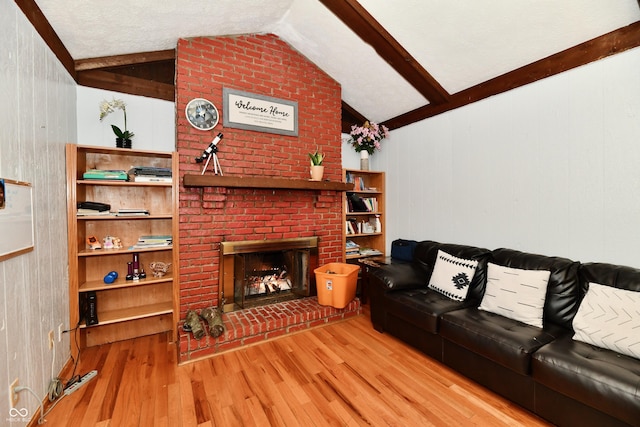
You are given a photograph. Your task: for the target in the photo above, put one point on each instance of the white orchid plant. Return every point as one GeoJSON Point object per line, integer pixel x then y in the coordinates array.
{"type": "Point", "coordinates": [108, 107]}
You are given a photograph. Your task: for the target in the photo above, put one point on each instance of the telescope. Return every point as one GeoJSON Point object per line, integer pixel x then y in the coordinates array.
{"type": "Point", "coordinates": [210, 152]}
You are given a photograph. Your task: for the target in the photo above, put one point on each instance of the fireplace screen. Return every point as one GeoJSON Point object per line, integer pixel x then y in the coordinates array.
{"type": "Point", "coordinates": [268, 271]}
{"type": "Point", "coordinates": [267, 277]}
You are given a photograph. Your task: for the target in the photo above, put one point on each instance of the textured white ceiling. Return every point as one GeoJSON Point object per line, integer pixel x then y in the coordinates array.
{"type": "Point", "coordinates": [459, 42]}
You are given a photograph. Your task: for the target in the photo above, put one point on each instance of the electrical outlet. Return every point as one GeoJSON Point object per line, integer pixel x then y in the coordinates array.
{"type": "Point", "coordinates": [60, 329]}
{"type": "Point", "coordinates": [13, 396]}
{"type": "Point", "coordinates": [51, 339]}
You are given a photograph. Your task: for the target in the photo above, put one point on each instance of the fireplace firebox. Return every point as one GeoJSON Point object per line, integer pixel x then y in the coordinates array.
{"type": "Point", "coordinates": [260, 272]}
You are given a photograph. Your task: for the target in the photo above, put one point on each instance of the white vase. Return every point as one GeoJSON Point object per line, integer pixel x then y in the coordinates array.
{"type": "Point", "coordinates": [364, 160]}
{"type": "Point", "coordinates": [317, 172]}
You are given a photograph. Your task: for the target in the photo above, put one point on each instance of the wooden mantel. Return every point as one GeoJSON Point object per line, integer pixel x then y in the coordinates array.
{"type": "Point", "coordinates": [191, 180]}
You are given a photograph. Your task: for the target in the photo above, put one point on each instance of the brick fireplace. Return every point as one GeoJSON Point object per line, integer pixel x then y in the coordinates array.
{"type": "Point", "coordinates": [264, 65]}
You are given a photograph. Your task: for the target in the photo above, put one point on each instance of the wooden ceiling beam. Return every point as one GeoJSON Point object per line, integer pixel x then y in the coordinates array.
{"type": "Point", "coordinates": [126, 84]}
{"type": "Point", "coordinates": [122, 60]}
{"type": "Point", "coordinates": [48, 34]}
{"type": "Point", "coordinates": [354, 16]}
{"type": "Point", "coordinates": [350, 116]}
{"type": "Point", "coordinates": [601, 47]}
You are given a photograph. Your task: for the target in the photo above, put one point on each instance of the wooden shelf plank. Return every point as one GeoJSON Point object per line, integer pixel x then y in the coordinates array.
{"type": "Point", "coordinates": [132, 313]}
{"type": "Point", "coordinates": [113, 217]}
{"type": "Point", "coordinates": [102, 252]}
{"type": "Point", "coordinates": [120, 183]}
{"type": "Point", "coordinates": [190, 180]}
{"type": "Point", "coordinates": [121, 282]}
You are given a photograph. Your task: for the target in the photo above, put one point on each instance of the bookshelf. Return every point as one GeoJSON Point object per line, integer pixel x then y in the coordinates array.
{"type": "Point", "coordinates": [363, 214]}
{"type": "Point", "coordinates": [126, 308]}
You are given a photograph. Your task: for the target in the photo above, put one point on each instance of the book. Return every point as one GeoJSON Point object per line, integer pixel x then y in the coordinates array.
{"type": "Point", "coordinates": [92, 212]}
{"type": "Point", "coordinates": [107, 175]}
{"type": "Point", "coordinates": [153, 241]}
{"type": "Point", "coordinates": [149, 178]}
{"type": "Point", "coordinates": [132, 212]}
{"type": "Point", "coordinates": [155, 237]}
{"type": "Point", "coordinates": [151, 245]}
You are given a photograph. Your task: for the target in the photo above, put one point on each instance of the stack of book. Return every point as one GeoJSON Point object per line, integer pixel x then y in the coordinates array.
{"type": "Point", "coordinates": [369, 252]}
{"type": "Point", "coordinates": [371, 203]}
{"type": "Point", "coordinates": [150, 174]}
{"type": "Point", "coordinates": [93, 208]}
{"type": "Point", "coordinates": [353, 227]}
{"type": "Point", "coordinates": [91, 212]}
{"type": "Point", "coordinates": [352, 248]}
{"type": "Point", "coordinates": [153, 241]}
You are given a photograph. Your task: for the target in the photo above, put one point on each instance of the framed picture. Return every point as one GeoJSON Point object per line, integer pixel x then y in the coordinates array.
{"type": "Point", "coordinates": [250, 111]}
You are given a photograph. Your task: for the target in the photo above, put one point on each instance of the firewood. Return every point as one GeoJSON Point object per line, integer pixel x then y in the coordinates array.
{"type": "Point", "coordinates": [213, 317]}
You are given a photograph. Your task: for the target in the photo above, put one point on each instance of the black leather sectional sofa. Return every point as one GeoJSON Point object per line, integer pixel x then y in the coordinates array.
{"type": "Point", "coordinates": [567, 382]}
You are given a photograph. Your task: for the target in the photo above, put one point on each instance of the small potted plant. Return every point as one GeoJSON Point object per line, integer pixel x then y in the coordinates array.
{"type": "Point", "coordinates": [317, 169]}
{"type": "Point", "coordinates": [123, 138]}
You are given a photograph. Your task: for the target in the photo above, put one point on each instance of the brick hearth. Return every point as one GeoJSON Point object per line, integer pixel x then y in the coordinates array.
{"type": "Point", "coordinates": [257, 324]}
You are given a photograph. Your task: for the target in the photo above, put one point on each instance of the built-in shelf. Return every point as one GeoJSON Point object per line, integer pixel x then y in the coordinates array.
{"type": "Point", "coordinates": [132, 313]}
{"type": "Point", "coordinates": [190, 180]}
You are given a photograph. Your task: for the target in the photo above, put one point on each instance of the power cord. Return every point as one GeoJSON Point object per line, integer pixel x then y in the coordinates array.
{"type": "Point", "coordinates": [56, 385]}
{"type": "Point", "coordinates": [56, 389]}
{"type": "Point", "coordinates": [20, 388]}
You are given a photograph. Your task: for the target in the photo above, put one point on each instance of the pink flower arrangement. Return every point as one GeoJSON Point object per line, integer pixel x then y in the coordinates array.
{"type": "Point", "coordinates": [368, 136]}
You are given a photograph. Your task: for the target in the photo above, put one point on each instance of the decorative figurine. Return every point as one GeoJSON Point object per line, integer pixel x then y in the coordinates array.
{"type": "Point", "coordinates": [107, 242]}
{"type": "Point", "coordinates": [93, 242]}
{"type": "Point", "coordinates": [159, 268]}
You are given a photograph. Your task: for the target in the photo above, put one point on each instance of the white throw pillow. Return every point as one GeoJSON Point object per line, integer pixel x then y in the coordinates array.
{"type": "Point", "coordinates": [452, 276]}
{"type": "Point", "coordinates": [515, 293]}
{"type": "Point", "coordinates": [609, 318]}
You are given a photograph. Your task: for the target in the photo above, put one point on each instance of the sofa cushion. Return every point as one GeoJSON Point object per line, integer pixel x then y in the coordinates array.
{"type": "Point", "coordinates": [600, 378]}
{"type": "Point", "coordinates": [505, 341]}
{"type": "Point", "coordinates": [609, 318]}
{"type": "Point", "coordinates": [422, 307]}
{"type": "Point", "coordinates": [452, 276]}
{"type": "Point", "coordinates": [563, 290]}
{"type": "Point", "coordinates": [617, 276]}
{"type": "Point", "coordinates": [426, 253]}
{"type": "Point", "coordinates": [515, 293]}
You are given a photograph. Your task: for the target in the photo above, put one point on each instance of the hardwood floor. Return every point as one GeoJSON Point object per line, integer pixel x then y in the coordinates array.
{"type": "Point", "coordinates": [342, 374]}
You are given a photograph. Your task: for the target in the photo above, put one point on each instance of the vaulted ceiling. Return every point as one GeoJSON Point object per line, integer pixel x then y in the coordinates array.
{"type": "Point", "coordinates": [398, 61]}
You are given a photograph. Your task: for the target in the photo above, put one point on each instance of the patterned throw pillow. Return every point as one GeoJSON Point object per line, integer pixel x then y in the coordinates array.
{"type": "Point", "coordinates": [515, 293]}
{"type": "Point", "coordinates": [609, 318]}
{"type": "Point", "coordinates": [452, 276]}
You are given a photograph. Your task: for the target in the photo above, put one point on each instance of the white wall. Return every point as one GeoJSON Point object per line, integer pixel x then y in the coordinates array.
{"type": "Point", "coordinates": [151, 120]}
{"type": "Point", "coordinates": [37, 117]}
{"type": "Point", "coordinates": [552, 168]}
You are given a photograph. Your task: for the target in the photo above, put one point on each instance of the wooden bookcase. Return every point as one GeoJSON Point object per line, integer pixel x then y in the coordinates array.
{"type": "Point", "coordinates": [126, 308]}
{"type": "Point", "coordinates": [366, 185]}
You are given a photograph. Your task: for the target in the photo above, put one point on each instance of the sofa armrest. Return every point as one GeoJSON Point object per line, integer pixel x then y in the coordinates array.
{"type": "Point", "coordinates": [399, 276]}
